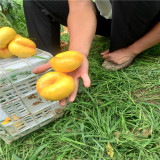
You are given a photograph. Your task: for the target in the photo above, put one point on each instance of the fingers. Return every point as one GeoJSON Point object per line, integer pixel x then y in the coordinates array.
{"type": "Point", "coordinates": [72, 96]}
{"type": "Point", "coordinates": [74, 93]}
{"type": "Point", "coordinates": [86, 80]}
{"type": "Point", "coordinates": [63, 102]}
{"type": "Point", "coordinates": [42, 68]}
{"type": "Point", "coordinates": [105, 52]}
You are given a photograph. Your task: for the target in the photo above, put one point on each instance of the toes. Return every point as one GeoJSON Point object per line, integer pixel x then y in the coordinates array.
{"type": "Point", "coordinates": [106, 56]}
{"type": "Point", "coordinates": [105, 52]}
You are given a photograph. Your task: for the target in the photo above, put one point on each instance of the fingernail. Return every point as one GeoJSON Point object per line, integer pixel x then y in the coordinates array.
{"type": "Point", "coordinates": [71, 100]}
{"type": "Point", "coordinates": [62, 103]}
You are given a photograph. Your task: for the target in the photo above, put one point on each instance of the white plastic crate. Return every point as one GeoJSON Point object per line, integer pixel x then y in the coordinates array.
{"type": "Point", "coordinates": [19, 99]}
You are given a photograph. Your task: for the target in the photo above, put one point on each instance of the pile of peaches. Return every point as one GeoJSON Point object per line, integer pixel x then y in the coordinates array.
{"type": "Point", "coordinates": [52, 86]}
{"type": "Point", "coordinates": [12, 44]}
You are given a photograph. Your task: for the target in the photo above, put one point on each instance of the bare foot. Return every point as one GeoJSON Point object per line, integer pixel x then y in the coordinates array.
{"type": "Point", "coordinates": [119, 56]}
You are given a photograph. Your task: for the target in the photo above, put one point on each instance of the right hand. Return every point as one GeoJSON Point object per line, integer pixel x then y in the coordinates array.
{"type": "Point", "coordinates": [42, 68]}
{"type": "Point", "coordinates": [81, 72]}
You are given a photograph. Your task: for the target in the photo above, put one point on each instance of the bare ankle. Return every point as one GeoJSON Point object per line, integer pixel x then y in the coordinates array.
{"type": "Point", "coordinates": [134, 49]}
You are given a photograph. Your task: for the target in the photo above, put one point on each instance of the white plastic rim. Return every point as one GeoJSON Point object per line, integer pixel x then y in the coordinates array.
{"type": "Point", "coordinates": [3, 115]}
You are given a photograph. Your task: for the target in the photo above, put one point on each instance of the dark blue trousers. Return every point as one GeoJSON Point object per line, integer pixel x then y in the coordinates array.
{"type": "Point", "coordinates": [130, 21]}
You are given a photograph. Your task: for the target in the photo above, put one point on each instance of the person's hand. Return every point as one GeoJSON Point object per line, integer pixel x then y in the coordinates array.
{"type": "Point", "coordinates": [42, 68]}
{"type": "Point", "coordinates": [81, 72]}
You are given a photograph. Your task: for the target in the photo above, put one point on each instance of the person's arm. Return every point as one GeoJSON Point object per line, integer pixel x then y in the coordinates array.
{"type": "Point", "coordinates": [81, 25]}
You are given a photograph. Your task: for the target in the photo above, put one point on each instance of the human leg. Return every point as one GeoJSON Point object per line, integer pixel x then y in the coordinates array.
{"type": "Point", "coordinates": [138, 36]}
{"type": "Point", "coordinates": [148, 40]}
{"type": "Point", "coordinates": [43, 22]}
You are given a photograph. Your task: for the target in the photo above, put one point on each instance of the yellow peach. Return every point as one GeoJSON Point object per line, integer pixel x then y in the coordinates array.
{"type": "Point", "coordinates": [55, 86]}
{"type": "Point", "coordinates": [6, 35]}
{"type": "Point", "coordinates": [22, 47]}
{"type": "Point", "coordinates": [66, 61]}
{"type": "Point", "coordinates": [5, 53]}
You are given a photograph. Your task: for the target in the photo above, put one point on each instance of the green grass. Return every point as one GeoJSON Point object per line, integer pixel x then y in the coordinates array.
{"type": "Point", "coordinates": [121, 108]}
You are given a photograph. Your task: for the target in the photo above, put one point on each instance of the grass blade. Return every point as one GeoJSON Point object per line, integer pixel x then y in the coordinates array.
{"type": "Point", "coordinates": [34, 156]}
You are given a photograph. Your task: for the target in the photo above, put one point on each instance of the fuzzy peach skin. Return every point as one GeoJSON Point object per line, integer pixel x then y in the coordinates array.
{"type": "Point", "coordinates": [55, 86]}
{"type": "Point", "coordinates": [5, 53]}
{"type": "Point", "coordinates": [6, 35]}
{"type": "Point", "coordinates": [17, 36]}
{"type": "Point", "coordinates": [66, 61]}
{"type": "Point", "coordinates": [22, 47]}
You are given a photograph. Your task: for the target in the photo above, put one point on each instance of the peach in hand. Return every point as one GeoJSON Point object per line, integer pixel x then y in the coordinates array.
{"type": "Point", "coordinates": [55, 86]}
{"type": "Point", "coordinates": [66, 61]}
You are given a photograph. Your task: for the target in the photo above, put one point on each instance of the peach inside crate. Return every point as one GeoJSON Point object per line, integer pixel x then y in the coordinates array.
{"type": "Point", "coordinates": [22, 110]}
